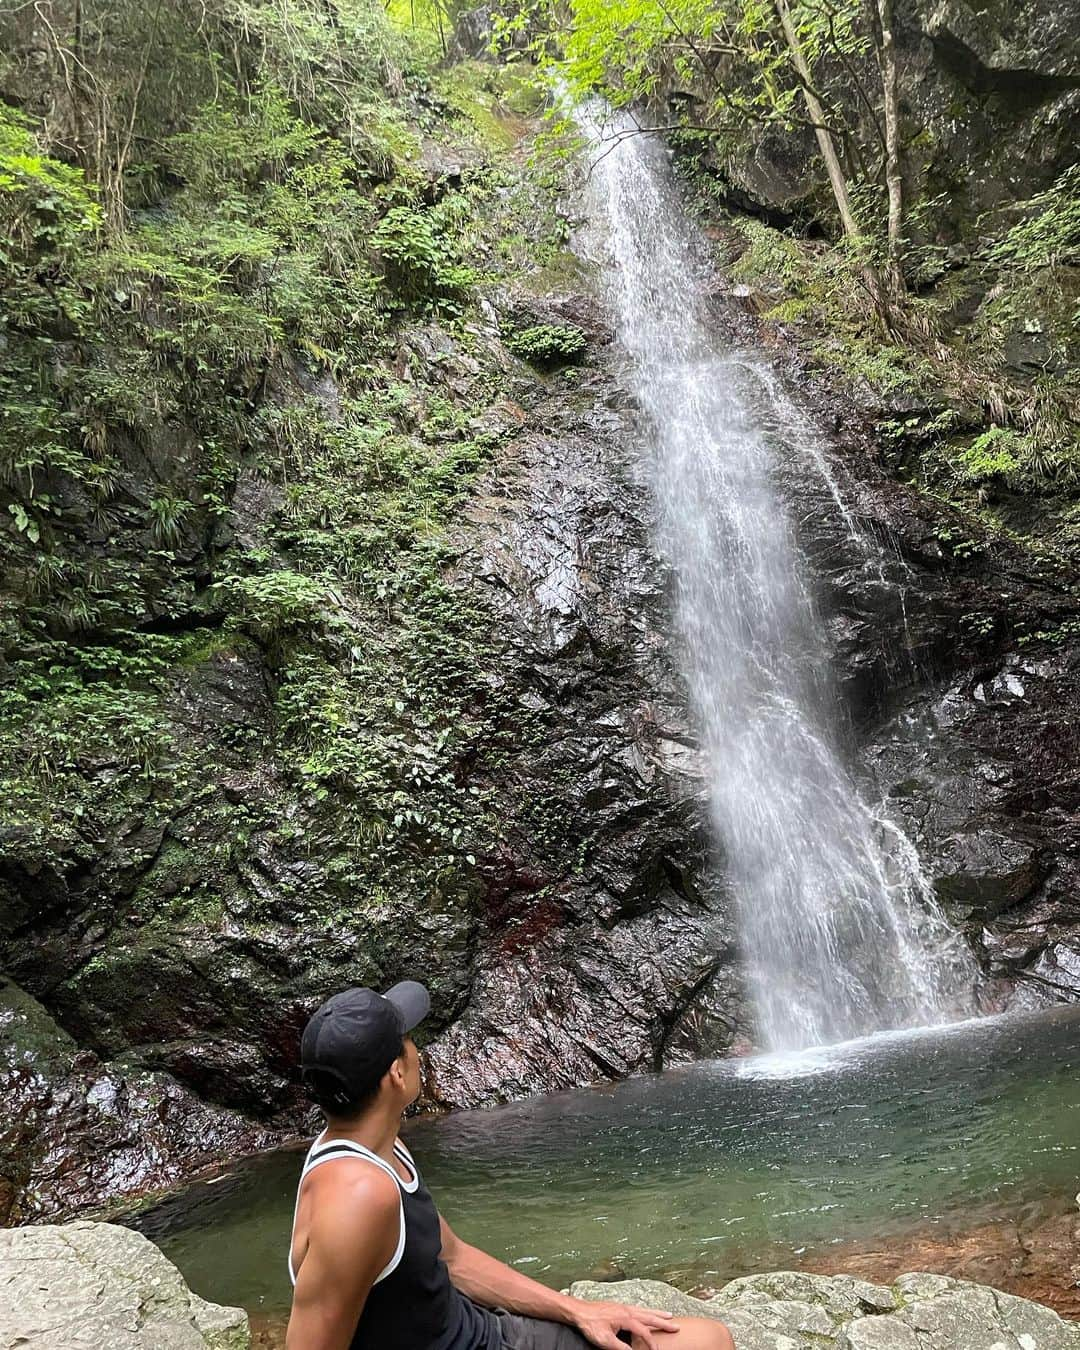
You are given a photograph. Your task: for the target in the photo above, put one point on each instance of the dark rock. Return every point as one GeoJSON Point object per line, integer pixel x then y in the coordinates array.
{"type": "Point", "coordinates": [1030, 351]}
{"type": "Point", "coordinates": [981, 874]}
{"type": "Point", "coordinates": [982, 777]}
{"type": "Point", "coordinates": [473, 31]}
{"type": "Point", "coordinates": [76, 1131]}
{"type": "Point", "coordinates": [607, 866]}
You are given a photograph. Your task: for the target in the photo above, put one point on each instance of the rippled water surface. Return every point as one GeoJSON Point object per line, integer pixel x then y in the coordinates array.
{"type": "Point", "coordinates": [711, 1171]}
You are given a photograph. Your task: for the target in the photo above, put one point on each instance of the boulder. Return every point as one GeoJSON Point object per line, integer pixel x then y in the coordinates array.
{"type": "Point", "coordinates": [84, 1286]}
{"type": "Point", "coordinates": [790, 1310]}
{"type": "Point", "coordinates": [75, 1128]}
{"type": "Point", "coordinates": [983, 873]}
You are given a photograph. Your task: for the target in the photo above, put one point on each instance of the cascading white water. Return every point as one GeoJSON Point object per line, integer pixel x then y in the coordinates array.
{"type": "Point", "coordinates": [842, 933]}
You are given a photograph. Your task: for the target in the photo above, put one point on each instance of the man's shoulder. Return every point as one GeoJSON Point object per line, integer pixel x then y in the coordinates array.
{"type": "Point", "coordinates": [355, 1223]}
{"type": "Point", "coordinates": [346, 1180]}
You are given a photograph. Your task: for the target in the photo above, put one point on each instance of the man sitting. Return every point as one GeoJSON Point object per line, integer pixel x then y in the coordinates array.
{"type": "Point", "coordinates": [373, 1264]}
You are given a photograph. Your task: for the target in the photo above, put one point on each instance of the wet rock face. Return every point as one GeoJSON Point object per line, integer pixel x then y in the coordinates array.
{"type": "Point", "coordinates": [959, 723]}
{"type": "Point", "coordinates": [982, 775]}
{"type": "Point", "coordinates": [998, 90]}
{"type": "Point", "coordinates": [76, 1129]}
{"type": "Point", "coordinates": [606, 946]}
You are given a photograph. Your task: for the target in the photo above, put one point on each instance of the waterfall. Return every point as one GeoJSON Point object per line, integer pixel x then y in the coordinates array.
{"type": "Point", "coordinates": [842, 933]}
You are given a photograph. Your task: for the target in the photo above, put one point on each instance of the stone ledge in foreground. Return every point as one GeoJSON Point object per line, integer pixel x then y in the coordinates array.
{"type": "Point", "coordinates": [86, 1286]}
{"type": "Point", "coordinates": [790, 1310]}
{"type": "Point", "coordinates": [92, 1286]}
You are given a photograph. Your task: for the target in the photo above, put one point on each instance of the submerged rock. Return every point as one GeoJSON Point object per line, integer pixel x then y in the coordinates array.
{"type": "Point", "coordinates": [789, 1310]}
{"type": "Point", "coordinates": [87, 1286]}
{"type": "Point", "coordinates": [1032, 1256]}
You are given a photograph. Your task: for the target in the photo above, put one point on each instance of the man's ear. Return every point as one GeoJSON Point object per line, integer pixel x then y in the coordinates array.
{"type": "Point", "coordinates": [396, 1071]}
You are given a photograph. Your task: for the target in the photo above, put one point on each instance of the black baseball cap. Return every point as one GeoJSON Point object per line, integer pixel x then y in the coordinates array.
{"type": "Point", "coordinates": [352, 1040]}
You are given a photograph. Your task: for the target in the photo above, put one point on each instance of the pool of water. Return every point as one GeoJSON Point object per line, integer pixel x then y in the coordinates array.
{"type": "Point", "coordinates": [707, 1172]}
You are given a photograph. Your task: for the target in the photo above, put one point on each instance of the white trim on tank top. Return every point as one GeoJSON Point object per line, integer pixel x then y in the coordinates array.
{"type": "Point", "coordinates": [332, 1150]}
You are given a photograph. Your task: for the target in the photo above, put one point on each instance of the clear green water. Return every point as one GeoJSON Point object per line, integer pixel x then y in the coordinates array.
{"type": "Point", "coordinates": [711, 1171]}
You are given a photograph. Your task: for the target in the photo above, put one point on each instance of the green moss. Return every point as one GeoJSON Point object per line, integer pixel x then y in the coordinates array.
{"type": "Point", "coordinates": [789, 311]}
{"type": "Point", "coordinates": [560, 270]}
{"type": "Point", "coordinates": [887, 369]}
{"type": "Point", "coordinates": [770, 256]}
{"type": "Point", "coordinates": [477, 91]}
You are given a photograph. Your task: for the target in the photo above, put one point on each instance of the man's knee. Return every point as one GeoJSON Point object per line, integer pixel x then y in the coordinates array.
{"type": "Point", "coordinates": [717, 1337]}
{"type": "Point", "coordinates": [702, 1333]}
{"type": "Point", "coordinates": [724, 1339]}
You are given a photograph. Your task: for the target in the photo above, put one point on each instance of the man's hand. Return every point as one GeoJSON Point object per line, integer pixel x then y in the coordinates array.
{"type": "Point", "coordinates": [496, 1285]}
{"type": "Point", "coordinates": [600, 1324]}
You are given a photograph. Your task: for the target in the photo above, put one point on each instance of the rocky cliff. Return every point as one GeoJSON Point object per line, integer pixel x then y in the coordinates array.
{"type": "Point", "coordinates": [339, 655]}
{"type": "Point", "coordinates": [334, 648]}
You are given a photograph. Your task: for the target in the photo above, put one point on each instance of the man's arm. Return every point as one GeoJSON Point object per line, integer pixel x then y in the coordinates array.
{"type": "Point", "coordinates": [496, 1285]}
{"type": "Point", "coordinates": [353, 1237]}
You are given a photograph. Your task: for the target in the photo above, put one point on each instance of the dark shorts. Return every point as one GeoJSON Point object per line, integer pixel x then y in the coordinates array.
{"type": "Point", "coordinates": [530, 1333]}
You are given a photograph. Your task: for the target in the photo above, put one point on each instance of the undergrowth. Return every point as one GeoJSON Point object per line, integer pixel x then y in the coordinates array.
{"type": "Point", "coordinates": [238, 308]}
{"type": "Point", "coordinates": [998, 388]}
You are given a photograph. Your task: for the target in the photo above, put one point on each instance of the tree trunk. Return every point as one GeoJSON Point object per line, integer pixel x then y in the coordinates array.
{"type": "Point", "coordinates": [894, 276]}
{"type": "Point", "coordinates": [880, 293]}
{"type": "Point", "coordinates": [817, 115]}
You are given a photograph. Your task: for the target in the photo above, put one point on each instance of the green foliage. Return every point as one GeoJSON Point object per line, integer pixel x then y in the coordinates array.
{"type": "Point", "coordinates": [270, 231]}
{"type": "Point", "coordinates": [548, 344]}
{"type": "Point", "coordinates": [619, 49]}
{"type": "Point", "coordinates": [994, 454]}
{"type": "Point", "coordinates": [1050, 235]}
{"type": "Point", "coordinates": [46, 204]}
{"type": "Point", "coordinates": [167, 515]}
{"type": "Point", "coordinates": [770, 256]}
{"type": "Point", "coordinates": [476, 90]}
{"type": "Point", "coordinates": [67, 709]}
{"type": "Point", "coordinates": [421, 262]}
{"type": "Point", "coordinates": [733, 57]}
{"type": "Point", "coordinates": [272, 603]}
{"type": "Point", "coordinates": [886, 368]}
{"type": "Point", "coordinates": [48, 214]}
{"type": "Point", "coordinates": [1064, 633]}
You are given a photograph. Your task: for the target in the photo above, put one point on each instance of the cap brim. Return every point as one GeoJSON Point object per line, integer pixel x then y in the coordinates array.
{"type": "Point", "coordinates": [411, 1000]}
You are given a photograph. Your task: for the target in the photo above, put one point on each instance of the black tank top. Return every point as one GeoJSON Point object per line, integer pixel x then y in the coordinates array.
{"type": "Point", "coordinates": [412, 1305]}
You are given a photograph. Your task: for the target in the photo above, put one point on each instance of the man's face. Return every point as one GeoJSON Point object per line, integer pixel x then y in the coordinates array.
{"type": "Point", "coordinates": [411, 1057]}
